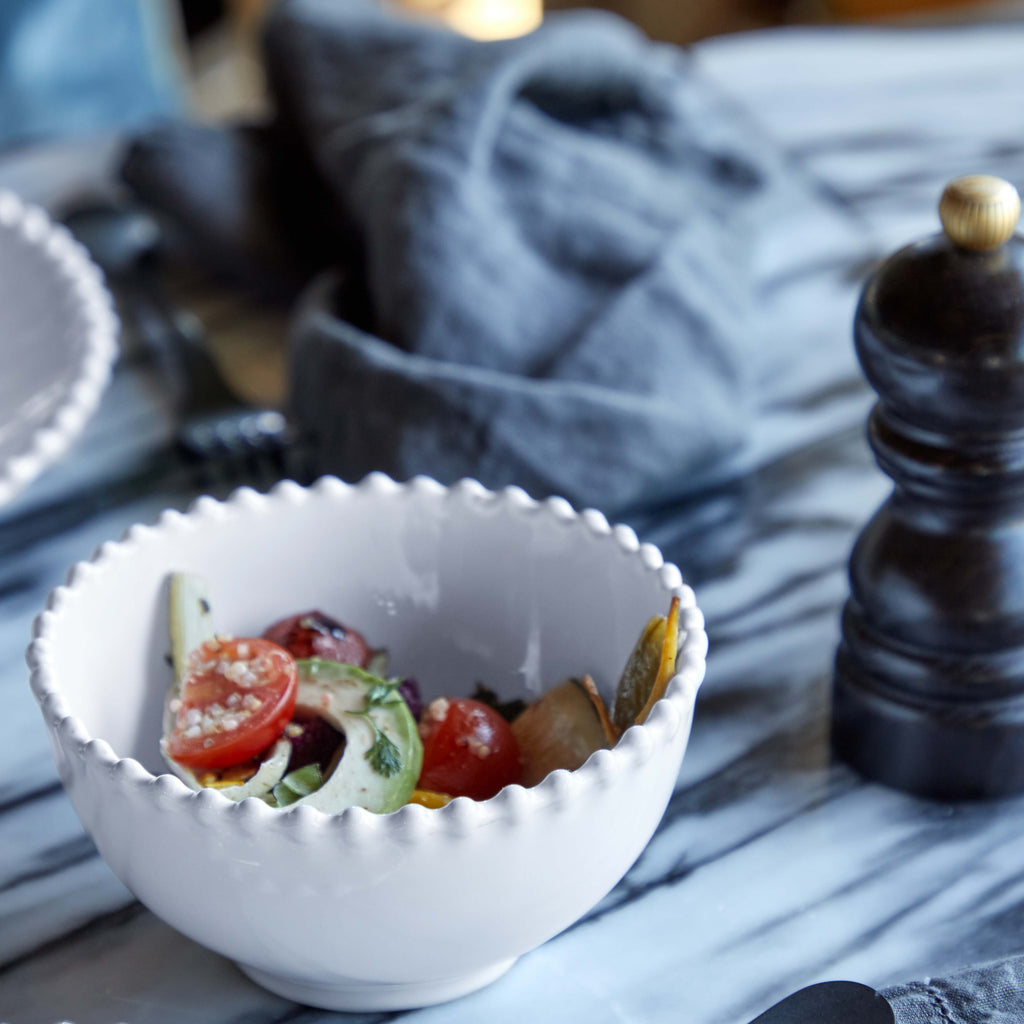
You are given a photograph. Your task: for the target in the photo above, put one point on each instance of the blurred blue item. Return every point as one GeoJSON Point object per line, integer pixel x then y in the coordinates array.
{"type": "Point", "coordinates": [74, 67]}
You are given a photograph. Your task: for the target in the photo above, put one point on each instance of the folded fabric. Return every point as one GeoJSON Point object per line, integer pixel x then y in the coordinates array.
{"type": "Point", "coordinates": [544, 244]}
{"type": "Point", "coordinates": [553, 231]}
{"type": "Point", "coordinates": [988, 994]}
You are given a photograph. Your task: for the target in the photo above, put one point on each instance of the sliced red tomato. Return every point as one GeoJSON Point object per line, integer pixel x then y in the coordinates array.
{"type": "Point", "coordinates": [315, 635]}
{"type": "Point", "coordinates": [235, 701]}
{"type": "Point", "coordinates": [468, 749]}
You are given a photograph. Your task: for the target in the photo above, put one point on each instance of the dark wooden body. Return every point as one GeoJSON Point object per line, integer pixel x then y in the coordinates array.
{"type": "Point", "coordinates": [929, 682]}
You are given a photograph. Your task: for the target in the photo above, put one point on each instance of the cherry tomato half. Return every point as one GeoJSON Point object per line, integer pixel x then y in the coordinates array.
{"type": "Point", "coordinates": [236, 699]}
{"type": "Point", "coordinates": [315, 635]}
{"type": "Point", "coordinates": [468, 749]}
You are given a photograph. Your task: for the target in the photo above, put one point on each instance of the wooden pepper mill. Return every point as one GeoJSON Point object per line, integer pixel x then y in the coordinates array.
{"type": "Point", "coordinates": [929, 682]}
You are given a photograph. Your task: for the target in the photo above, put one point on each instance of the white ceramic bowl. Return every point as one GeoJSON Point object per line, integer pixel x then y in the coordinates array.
{"type": "Point", "coordinates": [356, 910]}
{"type": "Point", "coordinates": [57, 342]}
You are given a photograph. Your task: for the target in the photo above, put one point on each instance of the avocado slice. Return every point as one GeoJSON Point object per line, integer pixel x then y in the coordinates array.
{"type": "Point", "coordinates": [383, 753]}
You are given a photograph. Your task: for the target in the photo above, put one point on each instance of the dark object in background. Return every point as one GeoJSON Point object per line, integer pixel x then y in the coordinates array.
{"type": "Point", "coordinates": [243, 203]}
{"type": "Point", "coordinates": [200, 15]}
{"type": "Point", "coordinates": [212, 421]}
{"type": "Point", "coordinates": [929, 685]}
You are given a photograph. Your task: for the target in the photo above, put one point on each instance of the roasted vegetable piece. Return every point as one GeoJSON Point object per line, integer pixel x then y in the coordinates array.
{"type": "Point", "coordinates": [649, 669]}
{"type": "Point", "coordinates": [314, 741]}
{"type": "Point", "coordinates": [560, 730]}
{"type": "Point", "coordinates": [611, 731]}
{"type": "Point", "coordinates": [410, 691]}
{"type": "Point", "coordinates": [666, 664]}
{"type": "Point", "coordinates": [468, 749]}
{"type": "Point", "coordinates": [315, 635]}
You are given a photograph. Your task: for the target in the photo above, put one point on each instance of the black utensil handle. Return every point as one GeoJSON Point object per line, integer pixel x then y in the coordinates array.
{"type": "Point", "coordinates": [830, 1002]}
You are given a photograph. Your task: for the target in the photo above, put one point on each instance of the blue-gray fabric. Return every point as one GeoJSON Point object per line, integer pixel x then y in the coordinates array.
{"type": "Point", "coordinates": [73, 68]}
{"type": "Point", "coordinates": [989, 994]}
{"type": "Point", "coordinates": [555, 234]}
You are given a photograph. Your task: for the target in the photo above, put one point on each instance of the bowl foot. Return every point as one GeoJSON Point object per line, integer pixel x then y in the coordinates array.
{"type": "Point", "coordinates": [352, 994]}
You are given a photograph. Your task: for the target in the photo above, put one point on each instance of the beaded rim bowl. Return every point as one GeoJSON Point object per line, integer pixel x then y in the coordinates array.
{"type": "Point", "coordinates": [72, 286]}
{"type": "Point", "coordinates": [124, 805]}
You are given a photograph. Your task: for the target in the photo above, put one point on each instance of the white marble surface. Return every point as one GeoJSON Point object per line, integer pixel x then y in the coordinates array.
{"type": "Point", "coordinates": [773, 868]}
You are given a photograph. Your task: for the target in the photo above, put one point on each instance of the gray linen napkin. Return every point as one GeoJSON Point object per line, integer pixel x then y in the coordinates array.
{"type": "Point", "coordinates": [548, 254]}
{"type": "Point", "coordinates": [987, 994]}
{"type": "Point", "coordinates": [556, 231]}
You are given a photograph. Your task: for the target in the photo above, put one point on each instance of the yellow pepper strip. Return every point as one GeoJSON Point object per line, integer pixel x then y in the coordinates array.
{"type": "Point", "coordinates": [428, 798]}
{"type": "Point", "coordinates": [225, 778]}
{"type": "Point", "coordinates": [610, 729]}
{"type": "Point", "coordinates": [667, 664]}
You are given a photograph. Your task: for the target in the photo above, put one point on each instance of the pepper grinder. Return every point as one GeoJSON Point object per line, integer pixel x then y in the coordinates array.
{"type": "Point", "coordinates": [929, 681]}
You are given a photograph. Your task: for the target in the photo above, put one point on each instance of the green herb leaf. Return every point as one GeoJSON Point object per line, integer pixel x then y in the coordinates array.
{"type": "Point", "coordinates": [297, 784]}
{"type": "Point", "coordinates": [283, 796]}
{"type": "Point", "coordinates": [384, 757]}
{"type": "Point", "coordinates": [304, 780]}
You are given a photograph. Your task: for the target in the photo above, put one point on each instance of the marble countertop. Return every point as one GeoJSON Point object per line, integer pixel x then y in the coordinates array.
{"type": "Point", "coordinates": [773, 867]}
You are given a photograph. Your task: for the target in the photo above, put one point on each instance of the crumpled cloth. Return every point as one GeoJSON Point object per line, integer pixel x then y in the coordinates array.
{"type": "Point", "coordinates": [988, 994]}
{"type": "Point", "coordinates": [555, 255]}
{"type": "Point", "coordinates": [543, 244]}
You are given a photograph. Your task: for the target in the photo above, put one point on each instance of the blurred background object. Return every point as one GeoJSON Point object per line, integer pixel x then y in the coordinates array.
{"type": "Point", "coordinates": [224, 34]}
{"type": "Point", "coordinates": [77, 68]}
{"type": "Point", "coordinates": [71, 69]}
{"type": "Point", "coordinates": [687, 22]}
{"type": "Point", "coordinates": [484, 19]}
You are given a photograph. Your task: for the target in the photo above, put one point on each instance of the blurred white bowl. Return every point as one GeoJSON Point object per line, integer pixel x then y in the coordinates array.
{"type": "Point", "coordinates": [359, 911]}
{"type": "Point", "coordinates": [57, 342]}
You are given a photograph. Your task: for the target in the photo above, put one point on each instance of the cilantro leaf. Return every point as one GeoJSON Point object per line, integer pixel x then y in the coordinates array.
{"type": "Point", "coordinates": [384, 757]}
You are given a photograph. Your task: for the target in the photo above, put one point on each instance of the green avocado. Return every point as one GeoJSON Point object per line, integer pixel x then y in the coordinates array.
{"type": "Point", "coordinates": [383, 754]}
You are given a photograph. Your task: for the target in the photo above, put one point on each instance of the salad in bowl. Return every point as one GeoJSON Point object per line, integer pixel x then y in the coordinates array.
{"type": "Point", "coordinates": [306, 714]}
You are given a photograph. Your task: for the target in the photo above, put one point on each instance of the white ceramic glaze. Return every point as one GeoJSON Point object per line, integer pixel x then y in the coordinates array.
{"type": "Point", "coordinates": [57, 342]}
{"type": "Point", "coordinates": [359, 911]}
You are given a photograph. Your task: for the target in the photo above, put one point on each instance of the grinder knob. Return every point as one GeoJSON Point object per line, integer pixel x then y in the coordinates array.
{"type": "Point", "coordinates": [979, 211]}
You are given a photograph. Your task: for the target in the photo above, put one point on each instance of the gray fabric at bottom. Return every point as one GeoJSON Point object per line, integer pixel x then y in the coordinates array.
{"type": "Point", "coordinates": [988, 994]}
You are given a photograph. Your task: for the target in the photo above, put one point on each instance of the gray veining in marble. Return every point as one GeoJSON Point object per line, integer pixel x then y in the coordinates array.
{"type": "Point", "coordinates": [772, 868]}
